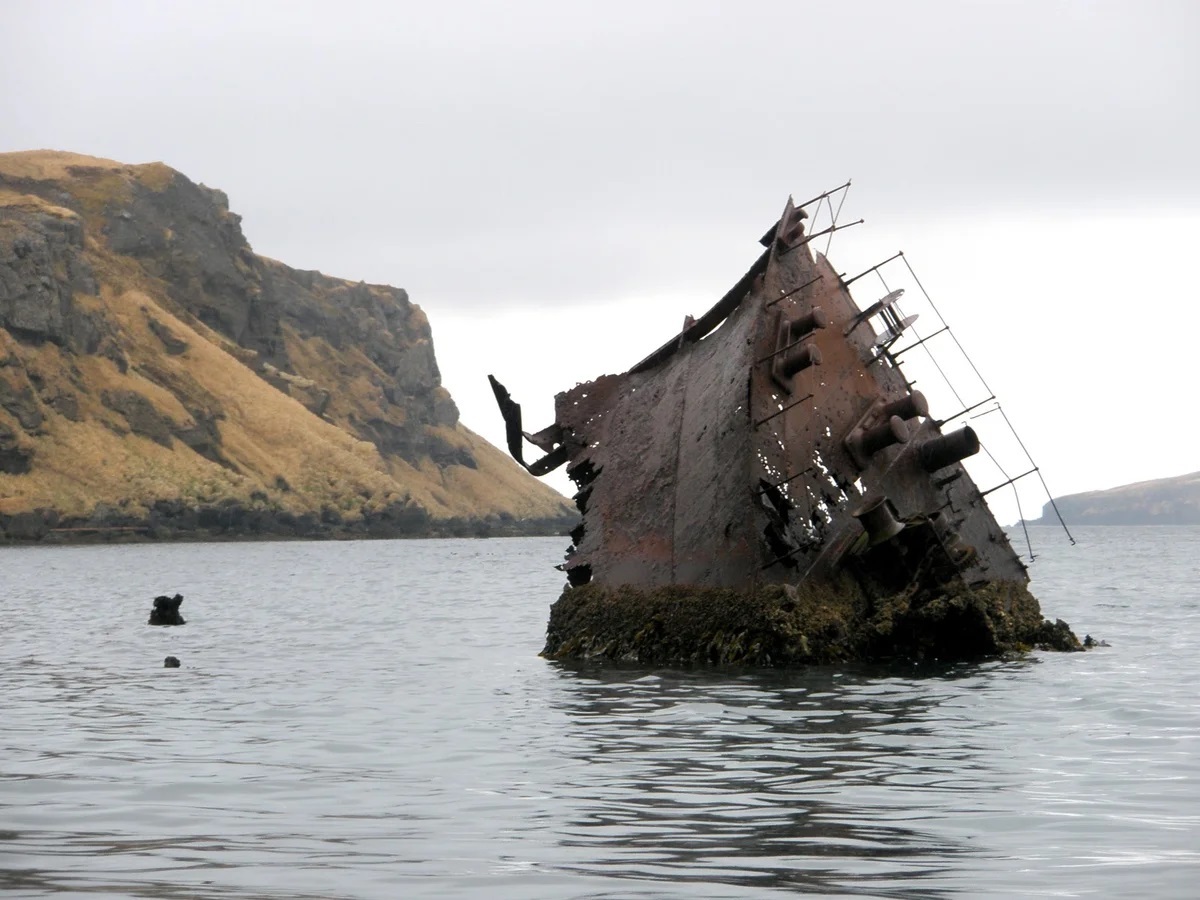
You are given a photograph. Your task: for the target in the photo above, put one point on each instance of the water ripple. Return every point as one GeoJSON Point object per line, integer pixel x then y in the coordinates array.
{"type": "Point", "coordinates": [371, 720]}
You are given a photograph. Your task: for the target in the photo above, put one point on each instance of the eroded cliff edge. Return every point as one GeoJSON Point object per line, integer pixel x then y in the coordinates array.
{"type": "Point", "coordinates": [158, 376]}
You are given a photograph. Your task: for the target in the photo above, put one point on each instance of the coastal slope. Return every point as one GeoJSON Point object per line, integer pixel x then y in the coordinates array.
{"type": "Point", "coordinates": [1163, 501]}
{"type": "Point", "coordinates": [158, 376]}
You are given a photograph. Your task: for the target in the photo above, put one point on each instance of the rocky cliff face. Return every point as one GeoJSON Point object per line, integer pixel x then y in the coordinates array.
{"type": "Point", "coordinates": [1164, 501]}
{"type": "Point", "coordinates": [157, 375]}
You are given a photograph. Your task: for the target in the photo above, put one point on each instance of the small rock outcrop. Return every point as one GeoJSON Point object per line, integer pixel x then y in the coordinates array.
{"type": "Point", "coordinates": [166, 611]}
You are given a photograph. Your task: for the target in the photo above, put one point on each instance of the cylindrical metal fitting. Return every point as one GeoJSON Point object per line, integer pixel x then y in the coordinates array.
{"type": "Point", "coordinates": [939, 452]}
{"type": "Point", "coordinates": [878, 521]}
{"type": "Point", "coordinates": [893, 431]}
{"type": "Point", "coordinates": [955, 547]}
{"type": "Point", "coordinates": [800, 358]}
{"type": "Point", "coordinates": [793, 228]}
{"type": "Point", "coordinates": [907, 407]}
{"type": "Point", "coordinates": [809, 322]}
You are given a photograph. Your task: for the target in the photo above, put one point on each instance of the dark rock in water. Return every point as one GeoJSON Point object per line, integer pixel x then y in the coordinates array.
{"type": "Point", "coordinates": [166, 611]}
{"type": "Point", "coordinates": [171, 662]}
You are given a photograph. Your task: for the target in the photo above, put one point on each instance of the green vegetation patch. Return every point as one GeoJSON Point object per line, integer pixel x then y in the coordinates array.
{"type": "Point", "coordinates": [784, 625]}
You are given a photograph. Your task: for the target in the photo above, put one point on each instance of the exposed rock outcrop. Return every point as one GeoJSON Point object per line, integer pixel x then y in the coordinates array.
{"type": "Point", "coordinates": [159, 378]}
{"type": "Point", "coordinates": [166, 611]}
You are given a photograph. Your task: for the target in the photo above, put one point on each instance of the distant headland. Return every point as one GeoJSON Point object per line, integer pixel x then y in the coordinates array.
{"type": "Point", "coordinates": [1163, 501]}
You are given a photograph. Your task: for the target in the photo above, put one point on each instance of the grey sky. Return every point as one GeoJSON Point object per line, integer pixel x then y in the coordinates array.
{"type": "Point", "coordinates": [493, 157]}
{"type": "Point", "coordinates": [386, 140]}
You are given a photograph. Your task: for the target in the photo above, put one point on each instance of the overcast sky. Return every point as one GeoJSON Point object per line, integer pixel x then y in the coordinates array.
{"type": "Point", "coordinates": [558, 183]}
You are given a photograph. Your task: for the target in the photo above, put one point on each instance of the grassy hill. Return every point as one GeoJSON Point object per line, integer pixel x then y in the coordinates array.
{"type": "Point", "coordinates": [1164, 501]}
{"type": "Point", "coordinates": [157, 375]}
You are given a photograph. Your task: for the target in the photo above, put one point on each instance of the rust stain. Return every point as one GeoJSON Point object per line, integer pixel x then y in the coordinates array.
{"type": "Point", "coordinates": [734, 456]}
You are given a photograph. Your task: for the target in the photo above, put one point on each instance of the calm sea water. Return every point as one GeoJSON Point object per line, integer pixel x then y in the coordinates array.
{"type": "Point", "coordinates": [371, 719]}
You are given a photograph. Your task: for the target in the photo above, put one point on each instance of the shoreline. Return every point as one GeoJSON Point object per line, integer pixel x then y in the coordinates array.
{"type": "Point", "coordinates": [211, 525]}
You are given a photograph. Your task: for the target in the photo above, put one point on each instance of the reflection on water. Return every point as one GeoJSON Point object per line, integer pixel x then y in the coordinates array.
{"type": "Point", "coordinates": [817, 781]}
{"type": "Point", "coordinates": [372, 720]}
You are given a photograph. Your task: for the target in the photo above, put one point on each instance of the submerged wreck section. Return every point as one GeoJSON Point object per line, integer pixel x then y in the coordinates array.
{"type": "Point", "coordinates": [767, 488]}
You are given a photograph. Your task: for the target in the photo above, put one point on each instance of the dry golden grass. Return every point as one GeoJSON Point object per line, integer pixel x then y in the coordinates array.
{"type": "Point", "coordinates": [354, 376]}
{"type": "Point", "coordinates": [155, 175]}
{"type": "Point", "coordinates": [499, 484]}
{"type": "Point", "coordinates": [97, 183]}
{"type": "Point", "coordinates": [16, 200]}
{"type": "Point", "coordinates": [52, 165]}
{"type": "Point", "coordinates": [265, 435]}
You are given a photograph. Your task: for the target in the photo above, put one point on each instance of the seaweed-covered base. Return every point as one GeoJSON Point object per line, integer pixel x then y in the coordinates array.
{"type": "Point", "coordinates": [782, 625]}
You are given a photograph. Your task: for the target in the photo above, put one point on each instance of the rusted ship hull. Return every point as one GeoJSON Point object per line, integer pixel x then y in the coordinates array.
{"type": "Point", "coordinates": [766, 488]}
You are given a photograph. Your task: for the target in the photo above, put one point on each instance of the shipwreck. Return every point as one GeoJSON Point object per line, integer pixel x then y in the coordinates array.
{"type": "Point", "coordinates": [768, 488]}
